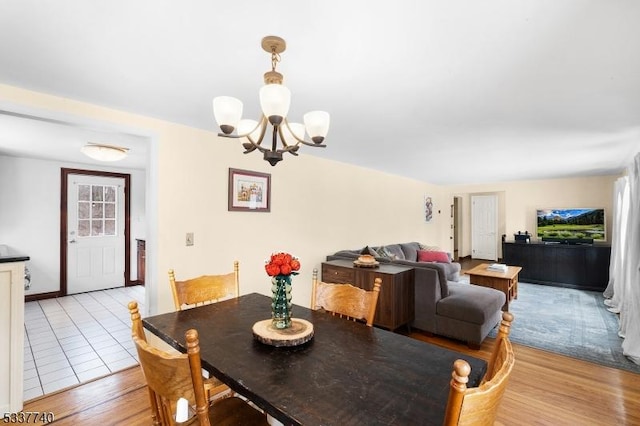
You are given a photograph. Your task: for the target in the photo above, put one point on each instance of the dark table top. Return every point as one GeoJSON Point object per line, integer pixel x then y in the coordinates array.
{"type": "Point", "coordinates": [348, 374]}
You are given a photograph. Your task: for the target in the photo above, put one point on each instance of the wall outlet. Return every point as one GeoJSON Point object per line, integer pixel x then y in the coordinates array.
{"type": "Point", "coordinates": [189, 239]}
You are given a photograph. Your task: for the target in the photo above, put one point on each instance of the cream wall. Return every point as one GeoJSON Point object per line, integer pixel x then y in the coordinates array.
{"type": "Point", "coordinates": [30, 223]}
{"type": "Point", "coordinates": [318, 206]}
{"type": "Point", "coordinates": [518, 201]}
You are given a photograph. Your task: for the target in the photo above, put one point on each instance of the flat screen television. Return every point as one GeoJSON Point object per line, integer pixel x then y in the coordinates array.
{"type": "Point", "coordinates": [571, 224]}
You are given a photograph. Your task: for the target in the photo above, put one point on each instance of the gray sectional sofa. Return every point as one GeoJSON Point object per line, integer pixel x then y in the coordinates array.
{"type": "Point", "coordinates": [443, 306]}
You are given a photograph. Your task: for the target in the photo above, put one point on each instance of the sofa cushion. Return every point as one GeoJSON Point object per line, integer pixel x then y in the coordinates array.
{"type": "Point", "coordinates": [410, 250]}
{"type": "Point", "coordinates": [433, 256]}
{"type": "Point", "coordinates": [470, 303]}
{"type": "Point", "coordinates": [395, 250]}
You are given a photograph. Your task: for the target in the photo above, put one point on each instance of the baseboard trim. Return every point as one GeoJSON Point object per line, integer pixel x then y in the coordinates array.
{"type": "Point", "coordinates": [41, 296]}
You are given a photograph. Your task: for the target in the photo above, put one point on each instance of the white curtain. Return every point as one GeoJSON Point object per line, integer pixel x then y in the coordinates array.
{"type": "Point", "coordinates": [623, 290]}
{"type": "Point", "coordinates": [619, 231]}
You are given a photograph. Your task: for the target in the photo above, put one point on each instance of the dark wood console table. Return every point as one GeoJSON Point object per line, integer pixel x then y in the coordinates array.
{"type": "Point", "coordinates": [582, 266]}
{"type": "Point", "coordinates": [396, 305]}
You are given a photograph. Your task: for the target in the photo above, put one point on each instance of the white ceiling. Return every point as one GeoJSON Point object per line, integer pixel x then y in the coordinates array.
{"type": "Point", "coordinates": [458, 91]}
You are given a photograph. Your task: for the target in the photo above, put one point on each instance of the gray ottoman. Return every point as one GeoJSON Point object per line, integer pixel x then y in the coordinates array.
{"type": "Point", "coordinates": [469, 313]}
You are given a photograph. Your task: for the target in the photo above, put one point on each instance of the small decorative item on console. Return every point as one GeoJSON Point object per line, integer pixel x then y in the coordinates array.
{"type": "Point", "coordinates": [366, 261]}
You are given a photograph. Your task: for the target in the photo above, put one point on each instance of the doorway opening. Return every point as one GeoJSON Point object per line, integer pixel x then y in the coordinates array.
{"type": "Point", "coordinates": [102, 221]}
{"type": "Point", "coordinates": [456, 227]}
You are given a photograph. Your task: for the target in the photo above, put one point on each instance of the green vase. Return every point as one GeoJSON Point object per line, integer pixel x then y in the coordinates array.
{"type": "Point", "coordinates": [281, 301]}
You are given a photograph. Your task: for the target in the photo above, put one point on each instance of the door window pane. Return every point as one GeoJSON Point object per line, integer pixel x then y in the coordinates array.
{"type": "Point", "coordinates": [97, 228]}
{"type": "Point", "coordinates": [99, 203]}
{"type": "Point", "coordinates": [83, 228]}
{"type": "Point", "coordinates": [110, 227]}
{"type": "Point", "coordinates": [96, 210]}
{"type": "Point", "coordinates": [84, 192]}
{"type": "Point", "coordinates": [110, 194]}
{"type": "Point", "coordinates": [109, 210]}
{"type": "Point", "coordinates": [97, 192]}
{"type": "Point", "coordinates": [83, 210]}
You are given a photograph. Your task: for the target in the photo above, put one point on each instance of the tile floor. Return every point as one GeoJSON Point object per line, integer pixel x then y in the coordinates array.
{"type": "Point", "coordinates": [73, 339]}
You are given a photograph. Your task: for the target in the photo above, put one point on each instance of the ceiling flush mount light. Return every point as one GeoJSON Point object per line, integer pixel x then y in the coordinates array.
{"type": "Point", "coordinates": [274, 102]}
{"type": "Point", "coordinates": [103, 152]}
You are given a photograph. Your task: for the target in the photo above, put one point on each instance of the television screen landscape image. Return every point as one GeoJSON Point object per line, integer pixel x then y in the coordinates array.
{"type": "Point", "coordinates": [571, 224]}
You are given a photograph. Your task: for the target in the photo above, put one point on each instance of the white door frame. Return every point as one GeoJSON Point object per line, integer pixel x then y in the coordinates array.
{"type": "Point", "coordinates": [65, 173]}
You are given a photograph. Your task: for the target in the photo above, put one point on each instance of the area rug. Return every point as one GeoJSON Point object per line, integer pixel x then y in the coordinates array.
{"type": "Point", "coordinates": [570, 322]}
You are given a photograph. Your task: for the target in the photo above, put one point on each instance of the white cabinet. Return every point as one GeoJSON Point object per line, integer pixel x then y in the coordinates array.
{"type": "Point", "coordinates": [11, 333]}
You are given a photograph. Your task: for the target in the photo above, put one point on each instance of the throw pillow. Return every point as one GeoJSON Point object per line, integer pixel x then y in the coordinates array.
{"type": "Point", "coordinates": [396, 251]}
{"type": "Point", "coordinates": [369, 250]}
{"type": "Point", "coordinates": [384, 252]}
{"type": "Point", "coordinates": [433, 256]}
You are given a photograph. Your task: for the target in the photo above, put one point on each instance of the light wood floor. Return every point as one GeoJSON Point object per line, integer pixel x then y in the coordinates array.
{"type": "Point", "coordinates": [544, 389]}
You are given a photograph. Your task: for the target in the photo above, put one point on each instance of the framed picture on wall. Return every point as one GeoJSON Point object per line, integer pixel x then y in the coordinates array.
{"type": "Point", "coordinates": [249, 191]}
{"type": "Point", "coordinates": [428, 208]}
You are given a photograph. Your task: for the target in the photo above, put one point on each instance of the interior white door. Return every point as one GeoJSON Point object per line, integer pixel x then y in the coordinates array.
{"type": "Point", "coordinates": [95, 224]}
{"type": "Point", "coordinates": [484, 227]}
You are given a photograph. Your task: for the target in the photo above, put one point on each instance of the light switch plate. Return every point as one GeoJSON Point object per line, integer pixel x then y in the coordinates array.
{"type": "Point", "coordinates": [189, 239]}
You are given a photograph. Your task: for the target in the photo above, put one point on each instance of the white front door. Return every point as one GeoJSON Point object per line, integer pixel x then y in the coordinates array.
{"type": "Point", "coordinates": [484, 227]}
{"type": "Point", "coordinates": [95, 227]}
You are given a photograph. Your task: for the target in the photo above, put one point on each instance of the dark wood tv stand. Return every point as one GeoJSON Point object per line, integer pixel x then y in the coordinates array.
{"type": "Point", "coordinates": [582, 266]}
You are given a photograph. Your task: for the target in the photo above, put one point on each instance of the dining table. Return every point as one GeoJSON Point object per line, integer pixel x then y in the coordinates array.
{"type": "Point", "coordinates": [346, 374]}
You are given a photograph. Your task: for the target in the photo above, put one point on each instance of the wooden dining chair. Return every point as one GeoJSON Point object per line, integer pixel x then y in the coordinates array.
{"type": "Point", "coordinates": [171, 377]}
{"type": "Point", "coordinates": [205, 289]}
{"type": "Point", "coordinates": [214, 388]}
{"type": "Point", "coordinates": [174, 376]}
{"type": "Point", "coordinates": [345, 300]}
{"type": "Point", "coordinates": [503, 333]}
{"type": "Point", "coordinates": [478, 406]}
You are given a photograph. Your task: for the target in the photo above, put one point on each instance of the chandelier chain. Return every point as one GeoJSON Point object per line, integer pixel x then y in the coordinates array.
{"type": "Point", "coordinates": [275, 58]}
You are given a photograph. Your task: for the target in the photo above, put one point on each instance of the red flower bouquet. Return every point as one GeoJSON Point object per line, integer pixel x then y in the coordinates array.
{"type": "Point", "coordinates": [280, 268]}
{"type": "Point", "coordinates": [282, 264]}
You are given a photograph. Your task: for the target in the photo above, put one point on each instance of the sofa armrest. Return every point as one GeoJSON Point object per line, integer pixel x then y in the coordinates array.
{"type": "Point", "coordinates": [427, 294]}
{"type": "Point", "coordinates": [453, 271]}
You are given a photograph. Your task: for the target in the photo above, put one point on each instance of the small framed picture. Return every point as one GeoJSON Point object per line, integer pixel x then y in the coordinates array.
{"type": "Point", "coordinates": [249, 191]}
{"type": "Point", "coordinates": [428, 208]}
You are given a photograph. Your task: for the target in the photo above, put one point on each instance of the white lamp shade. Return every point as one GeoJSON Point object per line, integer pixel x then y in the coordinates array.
{"type": "Point", "coordinates": [245, 126]}
{"type": "Point", "coordinates": [317, 125]}
{"type": "Point", "coordinates": [274, 101]}
{"type": "Point", "coordinates": [104, 152]}
{"type": "Point", "coordinates": [227, 111]}
{"type": "Point", "coordinates": [297, 129]}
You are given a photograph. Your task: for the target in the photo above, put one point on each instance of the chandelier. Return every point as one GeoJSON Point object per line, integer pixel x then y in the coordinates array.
{"type": "Point", "coordinates": [275, 99]}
